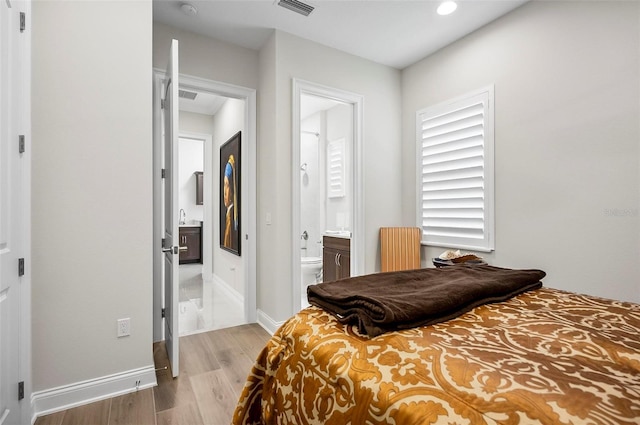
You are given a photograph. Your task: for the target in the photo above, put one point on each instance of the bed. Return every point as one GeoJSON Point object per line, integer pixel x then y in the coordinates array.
{"type": "Point", "coordinates": [543, 356]}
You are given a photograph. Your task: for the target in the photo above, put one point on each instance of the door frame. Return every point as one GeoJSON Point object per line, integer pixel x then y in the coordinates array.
{"type": "Point", "coordinates": [248, 214]}
{"type": "Point", "coordinates": [302, 87]}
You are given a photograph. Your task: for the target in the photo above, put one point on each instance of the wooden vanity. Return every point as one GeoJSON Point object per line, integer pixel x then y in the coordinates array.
{"type": "Point", "coordinates": [336, 258]}
{"type": "Point", "coordinates": [190, 239]}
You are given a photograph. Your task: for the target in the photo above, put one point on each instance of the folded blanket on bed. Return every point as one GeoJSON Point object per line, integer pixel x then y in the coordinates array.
{"type": "Point", "coordinates": [384, 302]}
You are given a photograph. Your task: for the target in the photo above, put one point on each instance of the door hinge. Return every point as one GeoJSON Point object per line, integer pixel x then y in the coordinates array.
{"type": "Point", "coordinates": [163, 315]}
{"type": "Point", "coordinates": [23, 21]}
{"type": "Point", "coordinates": [161, 103]}
{"type": "Point", "coordinates": [20, 390]}
{"type": "Point", "coordinates": [20, 266]}
{"type": "Point", "coordinates": [21, 146]}
{"type": "Point", "coordinates": [164, 241]}
{"type": "Point", "coordinates": [163, 173]}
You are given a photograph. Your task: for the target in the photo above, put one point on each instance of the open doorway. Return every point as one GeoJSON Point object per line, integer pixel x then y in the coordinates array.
{"type": "Point", "coordinates": [327, 186]}
{"type": "Point", "coordinates": [210, 283]}
{"type": "Point", "coordinates": [211, 280]}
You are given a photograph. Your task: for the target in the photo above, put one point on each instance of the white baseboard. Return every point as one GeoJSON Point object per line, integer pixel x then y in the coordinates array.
{"type": "Point", "coordinates": [268, 323]}
{"type": "Point", "coordinates": [80, 393]}
{"type": "Point", "coordinates": [229, 291]}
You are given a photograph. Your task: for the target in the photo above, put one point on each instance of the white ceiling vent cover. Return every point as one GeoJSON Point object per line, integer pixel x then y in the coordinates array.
{"type": "Point", "coordinates": [187, 94]}
{"type": "Point", "coordinates": [297, 6]}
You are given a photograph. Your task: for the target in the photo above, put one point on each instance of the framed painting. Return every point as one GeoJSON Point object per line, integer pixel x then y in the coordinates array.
{"type": "Point", "coordinates": [230, 173]}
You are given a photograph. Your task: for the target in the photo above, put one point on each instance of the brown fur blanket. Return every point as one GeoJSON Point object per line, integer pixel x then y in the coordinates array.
{"type": "Point", "coordinates": [384, 302]}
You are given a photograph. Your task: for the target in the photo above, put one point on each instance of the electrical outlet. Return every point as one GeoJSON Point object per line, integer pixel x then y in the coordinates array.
{"type": "Point", "coordinates": [124, 327]}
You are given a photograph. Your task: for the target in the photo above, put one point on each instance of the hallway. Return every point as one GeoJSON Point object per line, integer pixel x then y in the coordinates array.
{"type": "Point", "coordinates": [205, 306]}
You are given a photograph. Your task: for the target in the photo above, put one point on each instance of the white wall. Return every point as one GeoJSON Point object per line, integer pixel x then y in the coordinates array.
{"type": "Point", "coordinates": [226, 123]}
{"type": "Point", "coordinates": [191, 159]}
{"type": "Point", "coordinates": [269, 221]}
{"type": "Point", "coordinates": [285, 57]}
{"type": "Point", "coordinates": [191, 122]}
{"type": "Point", "coordinates": [567, 84]}
{"type": "Point", "coordinates": [339, 125]}
{"type": "Point", "coordinates": [206, 57]}
{"type": "Point", "coordinates": [91, 189]}
{"type": "Point", "coordinates": [312, 186]}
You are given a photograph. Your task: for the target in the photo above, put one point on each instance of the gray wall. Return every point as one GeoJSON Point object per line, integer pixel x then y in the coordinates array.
{"type": "Point", "coordinates": [283, 58]}
{"type": "Point", "coordinates": [206, 57]}
{"type": "Point", "coordinates": [91, 189]}
{"type": "Point", "coordinates": [567, 84]}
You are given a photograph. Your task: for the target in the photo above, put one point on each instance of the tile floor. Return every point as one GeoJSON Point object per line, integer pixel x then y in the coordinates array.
{"type": "Point", "coordinates": [205, 306]}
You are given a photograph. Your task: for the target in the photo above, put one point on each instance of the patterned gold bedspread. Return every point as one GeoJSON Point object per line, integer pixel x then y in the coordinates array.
{"type": "Point", "coordinates": [543, 357]}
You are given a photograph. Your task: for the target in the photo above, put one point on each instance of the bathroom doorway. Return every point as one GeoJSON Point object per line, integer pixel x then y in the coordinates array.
{"type": "Point", "coordinates": [327, 184]}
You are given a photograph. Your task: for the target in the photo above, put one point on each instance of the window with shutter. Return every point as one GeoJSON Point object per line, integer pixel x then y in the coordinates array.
{"type": "Point", "coordinates": [455, 172]}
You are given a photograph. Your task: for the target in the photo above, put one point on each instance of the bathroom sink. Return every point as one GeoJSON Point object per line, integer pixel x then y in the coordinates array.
{"type": "Point", "coordinates": [338, 233]}
{"type": "Point", "coordinates": [191, 223]}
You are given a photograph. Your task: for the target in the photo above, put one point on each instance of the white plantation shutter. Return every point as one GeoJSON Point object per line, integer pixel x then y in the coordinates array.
{"type": "Point", "coordinates": [335, 168]}
{"type": "Point", "coordinates": [455, 172]}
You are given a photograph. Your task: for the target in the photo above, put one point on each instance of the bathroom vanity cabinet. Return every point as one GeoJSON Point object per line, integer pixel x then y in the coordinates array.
{"type": "Point", "coordinates": [336, 258]}
{"type": "Point", "coordinates": [190, 244]}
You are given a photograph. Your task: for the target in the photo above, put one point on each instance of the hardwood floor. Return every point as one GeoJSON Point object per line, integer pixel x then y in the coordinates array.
{"type": "Point", "coordinates": [213, 368]}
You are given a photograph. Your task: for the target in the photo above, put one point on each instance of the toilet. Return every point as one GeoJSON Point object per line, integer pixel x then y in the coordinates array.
{"type": "Point", "coordinates": [311, 267]}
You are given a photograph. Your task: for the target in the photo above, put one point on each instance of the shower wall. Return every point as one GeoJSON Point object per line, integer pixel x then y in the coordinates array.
{"type": "Point", "coordinates": [311, 191]}
{"type": "Point", "coordinates": [319, 212]}
{"type": "Point", "coordinates": [339, 125]}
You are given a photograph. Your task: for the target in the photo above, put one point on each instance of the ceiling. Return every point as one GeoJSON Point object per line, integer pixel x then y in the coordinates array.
{"type": "Point", "coordinates": [309, 105]}
{"type": "Point", "coordinates": [204, 103]}
{"type": "Point", "coordinates": [396, 33]}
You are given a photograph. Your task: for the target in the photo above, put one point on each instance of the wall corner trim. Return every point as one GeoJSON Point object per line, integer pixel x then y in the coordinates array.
{"type": "Point", "coordinates": [268, 323]}
{"type": "Point", "coordinates": [85, 392]}
{"type": "Point", "coordinates": [236, 297]}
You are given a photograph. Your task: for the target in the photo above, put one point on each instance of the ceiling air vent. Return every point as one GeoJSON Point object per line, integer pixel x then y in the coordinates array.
{"type": "Point", "coordinates": [297, 6]}
{"type": "Point", "coordinates": [187, 94]}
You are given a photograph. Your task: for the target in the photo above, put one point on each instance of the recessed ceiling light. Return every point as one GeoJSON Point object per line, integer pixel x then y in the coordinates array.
{"type": "Point", "coordinates": [189, 9]}
{"type": "Point", "coordinates": [447, 8]}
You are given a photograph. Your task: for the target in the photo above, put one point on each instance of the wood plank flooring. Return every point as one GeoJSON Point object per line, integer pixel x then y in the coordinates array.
{"type": "Point", "coordinates": [213, 369]}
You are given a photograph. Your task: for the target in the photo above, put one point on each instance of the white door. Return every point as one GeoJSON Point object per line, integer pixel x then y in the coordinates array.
{"type": "Point", "coordinates": [170, 246]}
{"type": "Point", "coordinates": [12, 232]}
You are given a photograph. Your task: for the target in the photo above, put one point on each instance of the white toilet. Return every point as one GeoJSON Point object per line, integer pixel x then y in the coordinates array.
{"type": "Point", "coordinates": [311, 267]}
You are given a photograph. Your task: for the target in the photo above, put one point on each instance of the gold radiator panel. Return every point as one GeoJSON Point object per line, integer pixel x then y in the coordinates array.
{"type": "Point", "coordinates": [399, 248]}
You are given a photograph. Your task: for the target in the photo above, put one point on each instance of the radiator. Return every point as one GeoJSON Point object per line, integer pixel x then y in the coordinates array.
{"type": "Point", "coordinates": [399, 248]}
